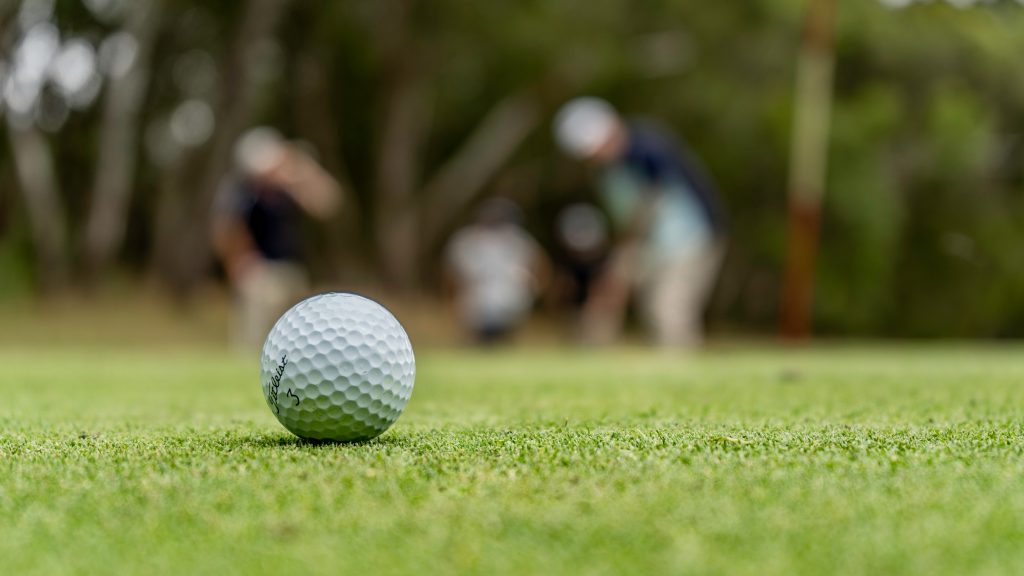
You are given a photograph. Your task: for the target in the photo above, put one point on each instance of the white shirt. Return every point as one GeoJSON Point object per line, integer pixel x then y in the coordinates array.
{"type": "Point", "coordinates": [493, 266]}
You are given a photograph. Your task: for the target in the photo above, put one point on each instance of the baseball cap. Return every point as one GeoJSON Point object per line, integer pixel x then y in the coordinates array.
{"type": "Point", "coordinates": [585, 124]}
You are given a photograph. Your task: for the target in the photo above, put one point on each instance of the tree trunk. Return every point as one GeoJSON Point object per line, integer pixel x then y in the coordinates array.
{"type": "Point", "coordinates": [398, 162]}
{"type": "Point", "coordinates": [115, 168]}
{"type": "Point", "coordinates": [395, 223]}
{"type": "Point", "coordinates": [241, 90]}
{"type": "Point", "coordinates": [809, 161]}
{"type": "Point", "coordinates": [316, 120]}
{"type": "Point", "coordinates": [465, 175]}
{"type": "Point", "coordinates": [41, 195]}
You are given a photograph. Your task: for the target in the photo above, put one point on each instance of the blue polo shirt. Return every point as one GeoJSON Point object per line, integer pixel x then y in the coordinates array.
{"type": "Point", "coordinates": [654, 167]}
{"type": "Point", "coordinates": [272, 218]}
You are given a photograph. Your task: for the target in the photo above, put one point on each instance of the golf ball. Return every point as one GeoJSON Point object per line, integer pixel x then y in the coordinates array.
{"type": "Point", "coordinates": [337, 367]}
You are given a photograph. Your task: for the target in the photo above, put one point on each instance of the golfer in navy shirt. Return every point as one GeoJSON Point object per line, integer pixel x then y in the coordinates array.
{"type": "Point", "coordinates": [669, 223]}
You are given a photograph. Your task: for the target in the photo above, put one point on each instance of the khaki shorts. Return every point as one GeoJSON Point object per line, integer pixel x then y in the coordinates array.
{"type": "Point", "coordinates": [263, 294]}
{"type": "Point", "coordinates": [673, 296]}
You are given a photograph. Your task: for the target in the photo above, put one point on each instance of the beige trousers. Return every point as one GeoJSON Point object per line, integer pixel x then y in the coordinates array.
{"type": "Point", "coordinates": [671, 296]}
{"type": "Point", "coordinates": [674, 296]}
{"type": "Point", "coordinates": [264, 293]}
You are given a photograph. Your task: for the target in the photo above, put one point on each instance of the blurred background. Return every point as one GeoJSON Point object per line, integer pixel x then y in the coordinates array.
{"type": "Point", "coordinates": [868, 156]}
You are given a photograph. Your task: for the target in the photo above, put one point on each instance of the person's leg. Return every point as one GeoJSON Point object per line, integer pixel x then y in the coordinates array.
{"type": "Point", "coordinates": [262, 296]}
{"type": "Point", "coordinates": [666, 305]}
{"type": "Point", "coordinates": [252, 293]}
{"type": "Point", "coordinates": [604, 312]}
{"type": "Point", "coordinates": [676, 295]}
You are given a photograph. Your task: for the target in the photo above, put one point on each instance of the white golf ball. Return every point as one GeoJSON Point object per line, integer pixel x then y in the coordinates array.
{"type": "Point", "coordinates": [337, 367]}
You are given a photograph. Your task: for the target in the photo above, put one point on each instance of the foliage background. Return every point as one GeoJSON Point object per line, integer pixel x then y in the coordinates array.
{"type": "Point", "coordinates": [404, 98]}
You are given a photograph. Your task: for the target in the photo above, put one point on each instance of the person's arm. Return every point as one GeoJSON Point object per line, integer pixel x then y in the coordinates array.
{"type": "Point", "coordinates": [234, 246]}
{"type": "Point", "coordinates": [640, 224]}
{"type": "Point", "coordinates": [704, 188]}
{"type": "Point", "coordinates": [604, 312]}
{"type": "Point", "coordinates": [653, 171]}
{"type": "Point", "coordinates": [230, 238]}
{"type": "Point", "coordinates": [315, 191]}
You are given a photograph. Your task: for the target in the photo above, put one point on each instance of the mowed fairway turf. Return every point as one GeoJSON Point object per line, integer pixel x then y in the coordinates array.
{"type": "Point", "coordinates": [860, 461]}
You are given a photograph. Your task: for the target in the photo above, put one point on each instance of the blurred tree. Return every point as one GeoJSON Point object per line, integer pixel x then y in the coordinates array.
{"type": "Point", "coordinates": [37, 178]}
{"type": "Point", "coordinates": [130, 51]}
{"type": "Point", "coordinates": [808, 164]}
{"type": "Point", "coordinates": [184, 249]}
{"type": "Point", "coordinates": [421, 109]}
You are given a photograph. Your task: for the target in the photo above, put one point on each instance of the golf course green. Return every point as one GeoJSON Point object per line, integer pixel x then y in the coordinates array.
{"type": "Point", "coordinates": [865, 460]}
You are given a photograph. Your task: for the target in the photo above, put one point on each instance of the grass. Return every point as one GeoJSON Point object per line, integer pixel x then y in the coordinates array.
{"type": "Point", "coordinates": [863, 461]}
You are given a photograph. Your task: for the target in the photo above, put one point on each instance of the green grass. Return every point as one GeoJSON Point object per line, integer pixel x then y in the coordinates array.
{"type": "Point", "coordinates": [742, 462]}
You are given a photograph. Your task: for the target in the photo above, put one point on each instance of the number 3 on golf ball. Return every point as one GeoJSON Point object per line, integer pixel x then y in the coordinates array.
{"type": "Point", "coordinates": [337, 367]}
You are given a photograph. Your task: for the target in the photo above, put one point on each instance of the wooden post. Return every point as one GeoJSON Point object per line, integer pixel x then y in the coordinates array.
{"type": "Point", "coordinates": [808, 163]}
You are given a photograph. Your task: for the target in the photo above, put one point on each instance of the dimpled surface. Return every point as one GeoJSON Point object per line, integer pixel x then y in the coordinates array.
{"type": "Point", "coordinates": [337, 367]}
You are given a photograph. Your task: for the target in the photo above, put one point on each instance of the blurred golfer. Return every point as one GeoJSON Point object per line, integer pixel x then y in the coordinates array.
{"type": "Point", "coordinates": [257, 228]}
{"type": "Point", "coordinates": [496, 270]}
{"type": "Point", "coordinates": [667, 217]}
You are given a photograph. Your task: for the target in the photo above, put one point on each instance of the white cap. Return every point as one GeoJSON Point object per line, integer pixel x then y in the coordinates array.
{"type": "Point", "coordinates": [259, 150]}
{"type": "Point", "coordinates": [585, 124]}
